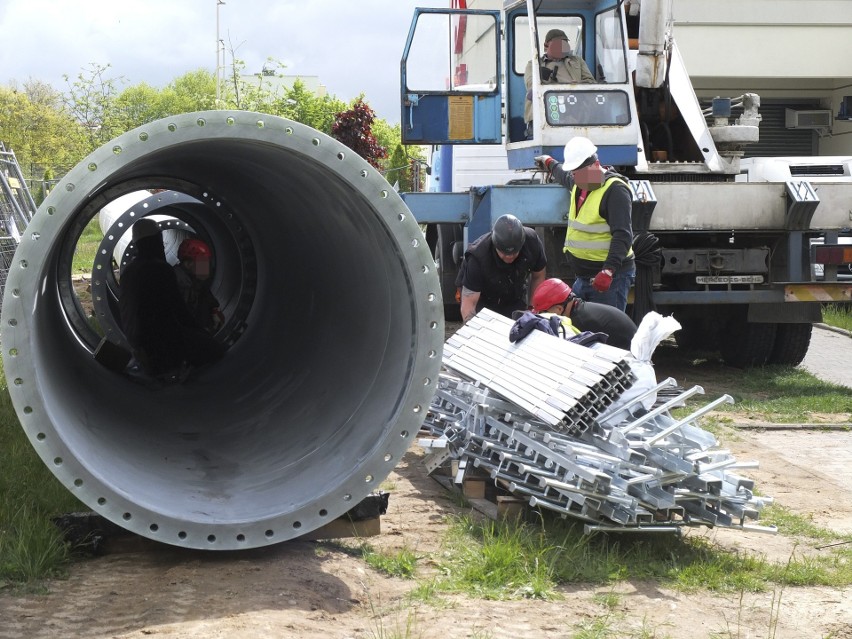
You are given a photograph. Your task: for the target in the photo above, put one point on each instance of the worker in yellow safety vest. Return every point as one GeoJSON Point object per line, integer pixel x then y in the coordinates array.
{"type": "Point", "coordinates": [598, 242]}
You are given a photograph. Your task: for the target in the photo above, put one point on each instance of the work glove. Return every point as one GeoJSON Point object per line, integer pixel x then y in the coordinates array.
{"type": "Point", "coordinates": [602, 281]}
{"type": "Point", "coordinates": [545, 162]}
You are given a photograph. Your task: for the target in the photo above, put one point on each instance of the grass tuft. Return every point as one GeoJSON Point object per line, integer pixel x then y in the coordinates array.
{"type": "Point", "coordinates": [839, 315]}
{"type": "Point", "coordinates": [31, 546]}
{"type": "Point", "coordinates": [402, 563]}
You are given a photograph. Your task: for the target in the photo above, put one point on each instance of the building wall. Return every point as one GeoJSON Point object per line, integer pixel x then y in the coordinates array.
{"type": "Point", "coordinates": [790, 52]}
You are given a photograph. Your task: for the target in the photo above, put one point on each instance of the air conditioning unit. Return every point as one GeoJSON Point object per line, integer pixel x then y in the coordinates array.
{"type": "Point", "coordinates": [813, 119]}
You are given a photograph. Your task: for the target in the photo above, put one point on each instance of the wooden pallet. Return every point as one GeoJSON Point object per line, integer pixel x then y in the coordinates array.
{"type": "Point", "coordinates": [484, 496]}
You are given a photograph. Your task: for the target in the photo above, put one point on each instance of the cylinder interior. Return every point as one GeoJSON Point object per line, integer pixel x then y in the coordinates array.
{"type": "Point", "coordinates": [334, 331]}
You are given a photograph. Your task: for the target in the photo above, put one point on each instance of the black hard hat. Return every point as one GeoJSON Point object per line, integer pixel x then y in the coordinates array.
{"type": "Point", "coordinates": [508, 234]}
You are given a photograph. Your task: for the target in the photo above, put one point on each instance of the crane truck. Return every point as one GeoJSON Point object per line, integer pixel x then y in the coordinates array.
{"type": "Point", "coordinates": [738, 243]}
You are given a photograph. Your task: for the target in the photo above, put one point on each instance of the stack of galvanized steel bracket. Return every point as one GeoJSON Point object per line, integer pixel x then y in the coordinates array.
{"type": "Point", "coordinates": [545, 419]}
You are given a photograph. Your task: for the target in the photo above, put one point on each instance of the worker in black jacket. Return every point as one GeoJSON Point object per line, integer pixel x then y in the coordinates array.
{"type": "Point", "coordinates": [496, 267]}
{"type": "Point", "coordinates": [555, 296]}
{"type": "Point", "coordinates": [599, 239]}
{"type": "Point", "coordinates": [165, 339]}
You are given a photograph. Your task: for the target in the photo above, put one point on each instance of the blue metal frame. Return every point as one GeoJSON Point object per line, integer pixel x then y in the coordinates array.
{"type": "Point", "coordinates": [425, 114]}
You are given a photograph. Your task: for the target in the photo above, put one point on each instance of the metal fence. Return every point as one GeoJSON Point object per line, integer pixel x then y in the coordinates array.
{"type": "Point", "coordinates": [17, 208]}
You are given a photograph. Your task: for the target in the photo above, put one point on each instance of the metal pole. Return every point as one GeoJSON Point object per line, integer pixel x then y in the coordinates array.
{"type": "Point", "coordinates": [220, 57]}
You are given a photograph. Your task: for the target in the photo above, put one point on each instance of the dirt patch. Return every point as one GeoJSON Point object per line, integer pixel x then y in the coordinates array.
{"type": "Point", "coordinates": [310, 590]}
{"type": "Point", "coordinates": [304, 589]}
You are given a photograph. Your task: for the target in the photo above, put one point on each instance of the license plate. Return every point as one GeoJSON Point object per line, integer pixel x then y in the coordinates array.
{"type": "Point", "coordinates": [729, 279]}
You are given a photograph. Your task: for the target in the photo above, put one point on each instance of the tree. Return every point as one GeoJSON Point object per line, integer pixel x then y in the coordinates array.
{"type": "Point", "coordinates": [40, 133]}
{"type": "Point", "coordinates": [52, 131]}
{"type": "Point", "coordinates": [399, 169]}
{"type": "Point", "coordinates": [193, 91]}
{"type": "Point", "coordinates": [354, 129]}
{"type": "Point", "coordinates": [302, 105]}
{"type": "Point", "coordinates": [90, 100]}
{"type": "Point", "coordinates": [137, 105]}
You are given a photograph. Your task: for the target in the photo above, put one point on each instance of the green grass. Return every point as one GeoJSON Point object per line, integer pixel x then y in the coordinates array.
{"type": "Point", "coordinates": [839, 315]}
{"type": "Point", "coordinates": [31, 547]}
{"type": "Point", "coordinates": [778, 394]}
{"type": "Point", "coordinates": [87, 247]}
{"type": "Point", "coordinates": [796, 525]}
{"type": "Point", "coordinates": [402, 563]}
{"type": "Point", "coordinates": [503, 560]}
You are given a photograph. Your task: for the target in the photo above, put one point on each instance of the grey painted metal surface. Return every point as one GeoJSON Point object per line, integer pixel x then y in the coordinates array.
{"type": "Point", "coordinates": [649, 471]}
{"type": "Point", "coordinates": [313, 404]}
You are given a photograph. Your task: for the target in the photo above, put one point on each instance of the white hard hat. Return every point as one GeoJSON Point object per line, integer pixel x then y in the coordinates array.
{"type": "Point", "coordinates": [577, 151]}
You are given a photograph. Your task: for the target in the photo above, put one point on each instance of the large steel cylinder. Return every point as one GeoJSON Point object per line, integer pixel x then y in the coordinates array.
{"type": "Point", "coordinates": [334, 323]}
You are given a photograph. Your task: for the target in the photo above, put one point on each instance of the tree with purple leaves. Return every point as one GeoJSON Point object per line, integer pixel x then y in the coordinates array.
{"type": "Point", "coordinates": [354, 128]}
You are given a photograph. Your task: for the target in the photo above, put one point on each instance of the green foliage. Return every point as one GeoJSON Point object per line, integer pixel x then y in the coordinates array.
{"type": "Point", "coordinates": [34, 125]}
{"type": "Point", "coordinates": [300, 104]}
{"type": "Point", "coordinates": [51, 132]}
{"type": "Point", "coordinates": [399, 169]}
{"type": "Point", "coordinates": [141, 103]}
{"type": "Point", "coordinates": [90, 100]}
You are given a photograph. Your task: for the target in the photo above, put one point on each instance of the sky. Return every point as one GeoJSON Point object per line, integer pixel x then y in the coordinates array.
{"type": "Point", "coordinates": [354, 46]}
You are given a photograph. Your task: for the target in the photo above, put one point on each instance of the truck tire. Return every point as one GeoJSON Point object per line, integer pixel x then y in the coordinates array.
{"type": "Point", "coordinates": [696, 334]}
{"type": "Point", "coordinates": [448, 269]}
{"type": "Point", "coordinates": [746, 344]}
{"type": "Point", "coordinates": [791, 344]}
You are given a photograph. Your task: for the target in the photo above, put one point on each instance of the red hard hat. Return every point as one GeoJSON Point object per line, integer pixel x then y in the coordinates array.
{"type": "Point", "coordinates": [550, 293]}
{"type": "Point", "coordinates": [192, 249]}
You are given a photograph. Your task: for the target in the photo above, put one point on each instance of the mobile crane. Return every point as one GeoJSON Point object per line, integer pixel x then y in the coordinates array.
{"type": "Point", "coordinates": [737, 248]}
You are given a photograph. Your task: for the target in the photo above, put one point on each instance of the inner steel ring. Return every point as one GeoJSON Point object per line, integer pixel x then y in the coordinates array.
{"type": "Point", "coordinates": [315, 403]}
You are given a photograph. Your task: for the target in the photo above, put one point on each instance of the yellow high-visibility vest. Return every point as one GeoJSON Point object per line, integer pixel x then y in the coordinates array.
{"type": "Point", "coordinates": [570, 329]}
{"type": "Point", "coordinates": [589, 236]}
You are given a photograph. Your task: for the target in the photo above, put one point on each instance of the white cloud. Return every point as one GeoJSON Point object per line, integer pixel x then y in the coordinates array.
{"type": "Point", "coordinates": [353, 46]}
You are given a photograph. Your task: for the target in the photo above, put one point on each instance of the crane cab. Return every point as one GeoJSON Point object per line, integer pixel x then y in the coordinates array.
{"type": "Point", "coordinates": [463, 80]}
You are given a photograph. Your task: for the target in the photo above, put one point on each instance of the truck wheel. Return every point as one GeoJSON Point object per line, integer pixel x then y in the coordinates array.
{"type": "Point", "coordinates": [696, 335]}
{"type": "Point", "coordinates": [448, 269]}
{"type": "Point", "coordinates": [791, 344]}
{"type": "Point", "coordinates": [745, 344]}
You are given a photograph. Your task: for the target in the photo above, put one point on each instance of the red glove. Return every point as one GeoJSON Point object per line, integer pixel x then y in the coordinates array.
{"type": "Point", "coordinates": [602, 281]}
{"type": "Point", "coordinates": [545, 162]}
